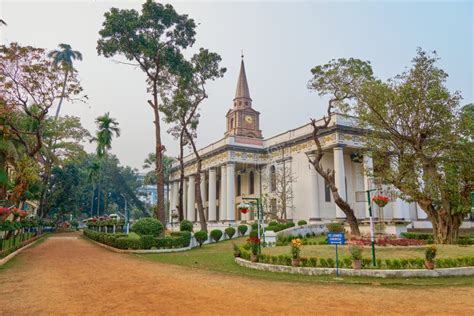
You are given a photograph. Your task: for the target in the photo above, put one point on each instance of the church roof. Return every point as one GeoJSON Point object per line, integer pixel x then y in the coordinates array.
{"type": "Point", "coordinates": [242, 90]}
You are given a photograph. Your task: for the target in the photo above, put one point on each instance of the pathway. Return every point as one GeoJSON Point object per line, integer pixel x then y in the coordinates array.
{"type": "Point", "coordinates": [65, 275]}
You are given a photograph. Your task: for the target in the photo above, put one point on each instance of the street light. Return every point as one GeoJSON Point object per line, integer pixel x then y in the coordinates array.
{"type": "Point", "coordinates": [128, 214]}
{"type": "Point", "coordinates": [257, 201]}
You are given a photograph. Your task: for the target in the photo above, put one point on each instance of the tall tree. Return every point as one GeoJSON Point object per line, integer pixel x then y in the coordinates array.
{"type": "Point", "coordinates": [339, 80]}
{"type": "Point", "coordinates": [422, 141]}
{"type": "Point", "coordinates": [154, 40]}
{"type": "Point", "coordinates": [63, 57]}
{"type": "Point", "coordinates": [107, 127]}
{"type": "Point", "coordinates": [182, 107]}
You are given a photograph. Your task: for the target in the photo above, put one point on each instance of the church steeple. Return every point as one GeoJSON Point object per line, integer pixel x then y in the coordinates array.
{"type": "Point", "coordinates": [242, 91]}
{"type": "Point", "coordinates": [242, 119]}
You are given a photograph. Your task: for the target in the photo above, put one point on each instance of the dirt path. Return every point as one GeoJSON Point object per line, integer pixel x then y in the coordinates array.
{"type": "Point", "coordinates": [67, 275]}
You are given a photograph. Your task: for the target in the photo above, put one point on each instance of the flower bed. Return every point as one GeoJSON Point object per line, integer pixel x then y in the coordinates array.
{"type": "Point", "coordinates": [144, 242]}
{"type": "Point", "coordinates": [346, 262]}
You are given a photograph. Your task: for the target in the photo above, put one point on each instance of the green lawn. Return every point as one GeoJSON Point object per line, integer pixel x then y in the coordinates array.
{"type": "Point", "coordinates": [328, 251]}
{"type": "Point", "coordinates": [219, 258]}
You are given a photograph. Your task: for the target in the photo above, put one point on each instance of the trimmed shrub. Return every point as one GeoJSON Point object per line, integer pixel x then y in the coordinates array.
{"type": "Point", "coordinates": [186, 226]}
{"type": "Point", "coordinates": [230, 232]}
{"type": "Point", "coordinates": [148, 242]}
{"type": "Point", "coordinates": [148, 226]}
{"type": "Point", "coordinates": [430, 253]}
{"type": "Point", "coordinates": [253, 233]}
{"type": "Point", "coordinates": [302, 222]}
{"type": "Point", "coordinates": [242, 229]}
{"type": "Point", "coordinates": [290, 224]}
{"type": "Point", "coordinates": [335, 227]}
{"type": "Point", "coordinates": [201, 236]}
{"type": "Point", "coordinates": [127, 243]}
{"type": "Point", "coordinates": [184, 238]}
{"type": "Point", "coordinates": [216, 235]}
{"type": "Point", "coordinates": [254, 225]}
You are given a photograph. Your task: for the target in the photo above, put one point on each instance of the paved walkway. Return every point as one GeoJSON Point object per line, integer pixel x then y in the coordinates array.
{"type": "Point", "coordinates": [67, 275]}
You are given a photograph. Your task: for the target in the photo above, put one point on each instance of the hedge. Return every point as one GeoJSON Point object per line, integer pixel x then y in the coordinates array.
{"type": "Point", "coordinates": [121, 241]}
{"type": "Point", "coordinates": [346, 262]}
{"type": "Point", "coordinates": [428, 237]}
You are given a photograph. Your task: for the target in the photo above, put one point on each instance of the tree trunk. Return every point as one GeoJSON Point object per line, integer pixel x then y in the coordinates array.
{"type": "Point", "coordinates": [160, 207]}
{"type": "Point", "coordinates": [181, 179]}
{"type": "Point", "coordinates": [446, 227]}
{"type": "Point", "coordinates": [202, 218]}
{"type": "Point", "coordinates": [62, 94]}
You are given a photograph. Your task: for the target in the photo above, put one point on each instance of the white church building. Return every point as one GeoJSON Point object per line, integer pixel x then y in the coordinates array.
{"type": "Point", "coordinates": [245, 164]}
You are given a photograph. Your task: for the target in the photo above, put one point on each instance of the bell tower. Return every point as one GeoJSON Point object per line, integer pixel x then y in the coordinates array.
{"type": "Point", "coordinates": [242, 119]}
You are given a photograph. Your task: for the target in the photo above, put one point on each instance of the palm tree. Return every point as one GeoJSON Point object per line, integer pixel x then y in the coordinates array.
{"type": "Point", "coordinates": [93, 174]}
{"type": "Point", "coordinates": [64, 57]}
{"type": "Point", "coordinates": [107, 127]}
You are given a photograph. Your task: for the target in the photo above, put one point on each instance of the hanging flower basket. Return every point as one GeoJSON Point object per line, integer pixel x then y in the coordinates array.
{"type": "Point", "coordinates": [244, 208]}
{"type": "Point", "coordinates": [381, 200]}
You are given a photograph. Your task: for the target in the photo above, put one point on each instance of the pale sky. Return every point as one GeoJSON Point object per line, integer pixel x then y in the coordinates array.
{"type": "Point", "coordinates": [281, 41]}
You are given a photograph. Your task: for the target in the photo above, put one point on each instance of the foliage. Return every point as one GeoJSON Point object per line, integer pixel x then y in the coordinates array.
{"type": "Point", "coordinates": [276, 226]}
{"type": "Point", "coordinates": [242, 229]}
{"type": "Point", "coordinates": [419, 122]}
{"type": "Point", "coordinates": [148, 242]}
{"type": "Point", "coordinates": [356, 252]}
{"type": "Point", "coordinates": [106, 128]}
{"type": "Point", "coordinates": [153, 39]}
{"type": "Point", "coordinates": [430, 253]}
{"type": "Point", "coordinates": [148, 226]}
{"type": "Point", "coordinates": [230, 232]}
{"type": "Point", "coordinates": [186, 225]}
{"type": "Point", "coordinates": [216, 234]}
{"type": "Point", "coordinates": [201, 236]}
{"type": "Point", "coordinates": [335, 227]}
{"type": "Point", "coordinates": [302, 222]}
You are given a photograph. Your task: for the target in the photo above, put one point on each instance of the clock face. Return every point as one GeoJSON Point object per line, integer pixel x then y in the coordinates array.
{"type": "Point", "coordinates": [248, 119]}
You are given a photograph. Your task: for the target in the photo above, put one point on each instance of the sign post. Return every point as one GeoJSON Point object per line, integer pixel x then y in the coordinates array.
{"type": "Point", "coordinates": [336, 239]}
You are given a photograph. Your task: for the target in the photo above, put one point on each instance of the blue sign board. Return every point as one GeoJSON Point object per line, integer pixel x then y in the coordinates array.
{"type": "Point", "coordinates": [336, 239]}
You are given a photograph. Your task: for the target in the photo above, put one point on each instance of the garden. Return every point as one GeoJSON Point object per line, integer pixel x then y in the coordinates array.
{"type": "Point", "coordinates": [17, 229]}
{"type": "Point", "coordinates": [411, 251]}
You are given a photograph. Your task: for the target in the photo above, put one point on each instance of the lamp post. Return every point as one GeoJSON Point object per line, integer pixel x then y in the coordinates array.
{"type": "Point", "coordinates": [258, 203]}
{"type": "Point", "coordinates": [127, 227]}
{"type": "Point", "coordinates": [372, 231]}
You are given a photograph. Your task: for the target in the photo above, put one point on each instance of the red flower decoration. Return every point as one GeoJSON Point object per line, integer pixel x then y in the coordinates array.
{"type": "Point", "coordinates": [381, 200]}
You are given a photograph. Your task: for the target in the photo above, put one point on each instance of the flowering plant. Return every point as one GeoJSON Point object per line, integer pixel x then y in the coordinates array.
{"type": "Point", "coordinates": [4, 211]}
{"type": "Point", "coordinates": [381, 200]}
{"type": "Point", "coordinates": [295, 248]}
{"type": "Point", "coordinates": [254, 243]}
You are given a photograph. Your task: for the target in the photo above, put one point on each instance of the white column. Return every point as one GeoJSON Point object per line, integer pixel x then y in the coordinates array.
{"type": "Point", "coordinates": [185, 199]}
{"type": "Point", "coordinates": [397, 209]}
{"type": "Point", "coordinates": [223, 195]}
{"type": "Point", "coordinates": [175, 194]}
{"type": "Point", "coordinates": [315, 212]}
{"type": "Point", "coordinates": [368, 179]}
{"type": "Point", "coordinates": [191, 199]}
{"type": "Point", "coordinates": [212, 195]}
{"type": "Point", "coordinates": [171, 197]}
{"type": "Point", "coordinates": [340, 177]}
{"type": "Point", "coordinates": [230, 191]}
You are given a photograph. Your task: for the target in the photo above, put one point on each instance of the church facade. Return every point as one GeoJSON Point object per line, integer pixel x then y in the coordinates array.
{"type": "Point", "coordinates": [244, 164]}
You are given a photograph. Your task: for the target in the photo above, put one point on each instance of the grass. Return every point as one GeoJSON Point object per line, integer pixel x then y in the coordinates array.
{"type": "Point", "coordinates": [218, 257]}
{"type": "Point", "coordinates": [328, 251]}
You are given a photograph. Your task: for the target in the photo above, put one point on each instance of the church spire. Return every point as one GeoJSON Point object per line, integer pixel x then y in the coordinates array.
{"type": "Point", "coordinates": [242, 91]}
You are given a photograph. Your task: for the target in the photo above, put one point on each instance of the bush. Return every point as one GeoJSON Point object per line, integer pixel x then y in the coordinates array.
{"type": "Point", "coordinates": [186, 226]}
{"type": "Point", "coordinates": [230, 232]}
{"type": "Point", "coordinates": [430, 253]}
{"type": "Point", "coordinates": [335, 227]}
{"type": "Point", "coordinates": [290, 224]}
{"type": "Point", "coordinates": [127, 243]}
{"type": "Point", "coordinates": [242, 229]}
{"type": "Point", "coordinates": [148, 242]}
{"type": "Point", "coordinates": [201, 236]}
{"type": "Point", "coordinates": [254, 225]}
{"type": "Point", "coordinates": [216, 235]}
{"type": "Point", "coordinates": [253, 233]}
{"type": "Point", "coordinates": [302, 222]}
{"type": "Point", "coordinates": [148, 226]}
{"type": "Point", "coordinates": [356, 252]}
{"type": "Point", "coordinates": [183, 238]}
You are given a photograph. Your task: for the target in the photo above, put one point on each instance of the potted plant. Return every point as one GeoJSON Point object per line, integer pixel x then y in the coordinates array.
{"type": "Point", "coordinates": [381, 200]}
{"type": "Point", "coordinates": [430, 255]}
{"type": "Point", "coordinates": [295, 252]}
{"type": "Point", "coordinates": [244, 208]}
{"type": "Point", "coordinates": [254, 243]}
{"type": "Point", "coordinates": [356, 256]}
{"type": "Point", "coordinates": [236, 250]}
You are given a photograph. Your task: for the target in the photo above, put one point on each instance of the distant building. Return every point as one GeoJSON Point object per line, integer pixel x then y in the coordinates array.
{"type": "Point", "coordinates": [147, 192]}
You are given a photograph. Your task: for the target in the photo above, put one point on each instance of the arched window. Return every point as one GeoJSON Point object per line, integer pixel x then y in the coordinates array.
{"type": "Point", "coordinates": [239, 186]}
{"type": "Point", "coordinates": [251, 183]}
{"type": "Point", "coordinates": [272, 179]}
